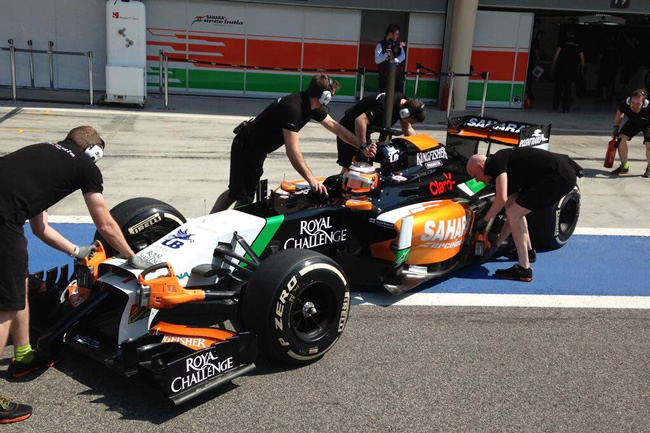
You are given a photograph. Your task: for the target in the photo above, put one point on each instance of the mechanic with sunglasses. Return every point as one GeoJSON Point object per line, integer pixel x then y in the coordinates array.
{"type": "Point", "coordinates": [33, 179]}
{"type": "Point", "coordinates": [369, 111]}
{"type": "Point", "coordinates": [637, 109]}
{"type": "Point", "coordinates": [279, 124]}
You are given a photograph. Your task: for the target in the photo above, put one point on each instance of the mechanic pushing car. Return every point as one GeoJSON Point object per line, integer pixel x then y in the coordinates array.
{"type": "Point", "coordinates": [370, 112]}
{"type": "Point", "coordinates": [32, 179]}
{"type": "Point", "coordinates": [280, 124]}
{"type": "Point", "coordinates": [525, 179]}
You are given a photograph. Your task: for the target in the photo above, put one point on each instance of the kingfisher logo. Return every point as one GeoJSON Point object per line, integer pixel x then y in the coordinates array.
{"type": "Point", "coordinates": [116, 15]}
{"type": "Point", "coordinates": [220, 20]}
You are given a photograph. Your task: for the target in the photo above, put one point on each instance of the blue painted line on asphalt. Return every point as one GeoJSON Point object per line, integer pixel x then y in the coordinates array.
{"type": "Point", "coordinates": [586, 265]}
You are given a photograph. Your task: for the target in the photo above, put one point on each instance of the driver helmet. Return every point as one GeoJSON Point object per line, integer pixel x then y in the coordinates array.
{"type": "Point", "coordinates": [359, 179]}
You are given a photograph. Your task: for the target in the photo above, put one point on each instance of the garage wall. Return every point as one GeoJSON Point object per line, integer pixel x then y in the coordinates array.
{"type": "Point", "coordinates": [262, 36]}
{"type": "Point", "coordinates": [73, 25]}
{"type": "Point", "coordinates": [501, 45]}
{"type": "Point", "coordinates": [426, 37]}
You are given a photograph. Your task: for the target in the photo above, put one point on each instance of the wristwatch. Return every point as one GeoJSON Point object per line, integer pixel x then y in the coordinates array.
{"type": "Point", "coordinates": [363, 146]}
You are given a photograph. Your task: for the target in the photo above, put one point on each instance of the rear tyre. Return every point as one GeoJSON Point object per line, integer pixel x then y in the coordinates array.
{"type": "Point", "coordinates": [143, 221]}
{"type": "Point", "coordinates": [297, 302]}
{"type": "Point", "coordinates": [551, 228]}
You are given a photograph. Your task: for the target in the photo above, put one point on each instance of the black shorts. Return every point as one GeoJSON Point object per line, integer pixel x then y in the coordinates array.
{"type": "Point", "coordinates": [13, 267]}
{"type": "Point", "coordinates": [631, 129]}
{"type": "Point", "coordinates": [550, 189]}
{"type": "Point", "coordinates": [246, 169]}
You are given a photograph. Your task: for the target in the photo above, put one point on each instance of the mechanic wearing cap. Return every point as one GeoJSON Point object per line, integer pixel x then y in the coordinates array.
{"type": "Point", "coordinates": [370, 112]}
{"type": "Point", "coordinates": [280, 124]}
{"type": "Point", "coordinates": [525, 179]}
{"type": "Point", "coordinates": [637, 109]}
{"type": "Point", "coordinates": [32, 179]}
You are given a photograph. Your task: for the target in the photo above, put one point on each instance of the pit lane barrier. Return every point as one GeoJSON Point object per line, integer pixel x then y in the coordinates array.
{"type": "Point", "coordinates": [164, 59]}
{"type": "Point", "coordinates": [452, 75]}
{"type": "Point", "coordinates": [50, 53]}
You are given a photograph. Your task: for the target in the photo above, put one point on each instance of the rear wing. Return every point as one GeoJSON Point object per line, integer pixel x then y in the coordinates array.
{"type": "Point", "coordinates": [511, 133]}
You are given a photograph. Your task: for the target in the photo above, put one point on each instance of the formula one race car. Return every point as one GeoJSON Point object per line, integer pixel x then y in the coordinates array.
{"type": "Point", "coordinates": [276, 274]}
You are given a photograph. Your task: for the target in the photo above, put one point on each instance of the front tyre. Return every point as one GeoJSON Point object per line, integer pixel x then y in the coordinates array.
{"type": "Point", "coordinates": [552, 227]}
{"type": "Point", "coordinates": [297, 302]}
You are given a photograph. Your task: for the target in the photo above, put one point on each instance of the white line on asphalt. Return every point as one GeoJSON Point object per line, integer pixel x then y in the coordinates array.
{"type": "Point", "coordinates": [611, 231]}
{"type": "Point", "coordinates": [50, 110]}
{"type": "Point", "coordinates": [495, 300]}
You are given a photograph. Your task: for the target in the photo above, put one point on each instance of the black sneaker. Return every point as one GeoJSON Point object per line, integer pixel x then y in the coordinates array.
{"type": "Point", "coordinates": [512, 255]}
{"type": "Point", "coordinates": [516, 273]}
{"type": "Point", "coordinates": [13, 412]}
{"type": "Point", "coordinates": [646, 173]}
{"type": "Point", "coordinates": [620, 170]}
{"type": "Point", "coordinates": [19, 369]}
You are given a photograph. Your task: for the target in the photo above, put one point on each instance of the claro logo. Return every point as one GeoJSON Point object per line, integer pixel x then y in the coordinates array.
{"type": "Point", "coordinates": [444, 233]}
{"type": "Point", "coordinates": [314, 233]}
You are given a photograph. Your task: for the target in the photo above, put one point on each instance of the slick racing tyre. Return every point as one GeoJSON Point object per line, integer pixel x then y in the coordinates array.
{"type": "Point", "coordinates": [297, 302]}
{"type": "Point", "coordinates": [552, 227]}
{"type": "Point", "coordinates": [143, 221]}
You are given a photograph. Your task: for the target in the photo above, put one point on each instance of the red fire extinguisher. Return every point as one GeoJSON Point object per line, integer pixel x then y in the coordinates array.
{"type": "Point", "coordinates": [445, 98]}
{"type": "Point", "coordinates": [611, 152]}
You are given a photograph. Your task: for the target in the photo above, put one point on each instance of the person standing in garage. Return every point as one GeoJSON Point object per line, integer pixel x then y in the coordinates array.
{"type": "Point", "coordinates": [568, 65]}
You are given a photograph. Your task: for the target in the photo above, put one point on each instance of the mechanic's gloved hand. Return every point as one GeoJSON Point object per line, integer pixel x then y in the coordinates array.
{"type": "Point", "coordinates": [615, 131]}
{"type": "Point", "coordinates": [82, 252]}
{"type": "Point", "coordinates": [480, 224]}
{"type": "Point", "coordinates": [138, 262]}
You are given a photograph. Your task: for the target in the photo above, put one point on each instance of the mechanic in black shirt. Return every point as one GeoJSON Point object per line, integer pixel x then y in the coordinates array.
{"type": "Point", "coordinates": [637, 110]}
{"type": "Point", "coordinates": [525, 179]}
{"type": "Point", "coordinates": [279, 124]}
{"type": "Point", "coordinates": [369, 111]}
{"type": "Point", "coordinates": [568, 65]}
{"type": "Point", "coordinates": [32, 179]}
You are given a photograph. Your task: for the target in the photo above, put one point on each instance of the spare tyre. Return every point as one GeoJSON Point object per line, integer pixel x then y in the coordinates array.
{"type": "Point", "coordinates": [143, 221]}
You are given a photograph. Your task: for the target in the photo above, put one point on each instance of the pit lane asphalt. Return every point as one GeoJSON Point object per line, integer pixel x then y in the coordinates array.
{"type": "Point", "coordinates": [395, 368]}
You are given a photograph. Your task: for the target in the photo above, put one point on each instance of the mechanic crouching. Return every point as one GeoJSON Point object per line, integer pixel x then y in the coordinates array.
{"type": "Point", "coordinates": [525, 179]}
{"type": "Point", "coordinates": [32, 179]}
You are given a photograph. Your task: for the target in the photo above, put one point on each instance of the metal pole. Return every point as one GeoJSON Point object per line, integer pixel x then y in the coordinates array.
{"type": "Point", "coordinates": [485, 84]}
{"type": "Point", "coordinates": [12, 52]}
{"type": "Point", "coordinates": [451, 93]}
{"type": "Point", "coordinates": [160, 67]}
{"type": "Point", "coordinates": [363, 81]}
{"type": "Point", "coordinates": [390, 94]}
{"type": "Point", "coordinates": [417, 78]}
{"type": "Point", "coordinates": [166, 82]}
{"type": "Point", "coordinates": [91, 90]}
{"type": "Point", "coordinates": [31, 61]}
{"type": "Point", "coordinates": [50, 44]}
